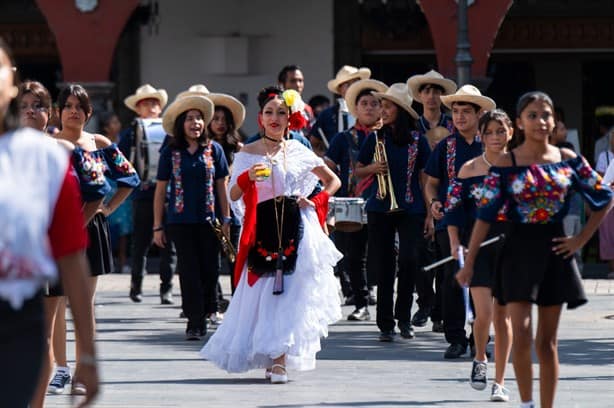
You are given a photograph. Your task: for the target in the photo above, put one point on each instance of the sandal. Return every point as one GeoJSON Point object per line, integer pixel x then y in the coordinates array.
{"type": "Point", "coordinates": [279, 378]}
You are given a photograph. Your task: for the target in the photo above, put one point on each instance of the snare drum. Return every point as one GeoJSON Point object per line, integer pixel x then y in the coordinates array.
{"type": "Point", "coordinates": [148, 138]}
{"type": "Point", "coordinates": [349, 214]}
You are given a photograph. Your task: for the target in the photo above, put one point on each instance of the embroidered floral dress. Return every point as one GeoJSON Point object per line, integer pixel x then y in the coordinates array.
{"type": "Point", "coordinates": [539, 198]}
{"type": "Point", "coordinates": [464, 195]}
{"type": "Point", "coordinates": [95, 168]}
{"type": "Point", "coordinates": [259, 326]}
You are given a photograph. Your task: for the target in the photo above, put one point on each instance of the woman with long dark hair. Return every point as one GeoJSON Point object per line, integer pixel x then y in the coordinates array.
{"type": "Point", "coordinates": [536, 181]}
{"type": "Point", "coordinates": [397, 154]}
{"type": "Point", "coordinates": [463, 197]}
{"type": "Point", "coordinates": [228, 116]}
{"type": "Point", "coordinates": [95, 160]}
{"type": "Point", "coordinates": [194, 169]}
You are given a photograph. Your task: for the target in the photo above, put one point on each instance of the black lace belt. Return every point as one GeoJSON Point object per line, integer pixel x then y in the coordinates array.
{"type": "Point", "coordinates": [263, 256]}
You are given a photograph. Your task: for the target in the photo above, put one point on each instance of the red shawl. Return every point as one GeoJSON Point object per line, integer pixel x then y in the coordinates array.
{"type": "Point", "coordinates": [248, 235]}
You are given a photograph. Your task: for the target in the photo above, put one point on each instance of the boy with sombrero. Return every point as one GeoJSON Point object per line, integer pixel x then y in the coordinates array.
{"type": "Point", "coordinates": [434, 124]}
{"type": "Point", "coordinates": [147, 102]}
{"type": "Point", "coordinates": [337, 118]}
{"type": "Point", "coordinates": [427, 90]}
{"type": "Point", "coordinates": [446, 159]}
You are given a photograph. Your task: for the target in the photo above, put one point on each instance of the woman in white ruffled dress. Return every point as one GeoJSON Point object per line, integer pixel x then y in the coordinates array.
{"type": "Point", "coordinates": [262, 329]}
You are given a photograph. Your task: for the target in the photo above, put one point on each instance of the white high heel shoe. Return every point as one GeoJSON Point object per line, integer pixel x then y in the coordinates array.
{"type": "Point", "coordinates": [279, 378]}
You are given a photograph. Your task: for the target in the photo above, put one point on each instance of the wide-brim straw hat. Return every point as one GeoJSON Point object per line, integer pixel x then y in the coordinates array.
{"type": "Point", "coordinates": [198, 89]}
{"type": "Point", "coordinates": [469, 94]}
{"type": "Point", "coordinates": [231, 103]}
{"type": "Point", "coordinates": [347, 73]}
{"type": "Point", "coordinates": [399, 94]}
{"type": "Point", "coordinates": [146, 92]}
{"type": "Point", "coordinates": [432, 77]}
{"type": "Point", "coordinates": [358, 87]}
{"type": "Point", "coordinates": [187, 103]}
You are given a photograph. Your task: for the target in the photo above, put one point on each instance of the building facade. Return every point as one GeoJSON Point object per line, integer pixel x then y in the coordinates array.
{"type": "Point", "coordinates": [563, 47]}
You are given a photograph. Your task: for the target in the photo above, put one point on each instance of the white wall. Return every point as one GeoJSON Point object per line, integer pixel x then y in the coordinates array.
{"type": "Point", "coordinates": [239, 46]}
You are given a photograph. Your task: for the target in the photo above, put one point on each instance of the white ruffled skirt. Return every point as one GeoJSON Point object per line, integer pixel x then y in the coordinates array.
{"type": "Point", "coordinates": [259, 326]}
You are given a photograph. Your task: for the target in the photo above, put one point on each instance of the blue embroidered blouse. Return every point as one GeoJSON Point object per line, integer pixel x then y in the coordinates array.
{"type": "Point", "coordinates": [343, 151]}
{"type": "Point", "coordinates": [540, 194]}
{"type": "Point", "coordinates": [192, 181]}
{"type": "Point", "coordinates": [93, 168]}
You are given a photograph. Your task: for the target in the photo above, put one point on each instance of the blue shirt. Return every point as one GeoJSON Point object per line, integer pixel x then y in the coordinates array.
{"type": "Point", "coordinates": [292, 135]}
{"type": "Point", "coordinates": [452, 147]}
{"type": "Point", "coordinates": [327, 123]}
{"type": "Point", "coordinates": [343, 151]}
{"type": "Point", "coordinates": [146, 189]}
{"type": "Point", "coordinates": [398, 165]}
{"type": "Point", "coordinates": [444, 121]}
{"type": "Point", "coordinates": [192, 186]}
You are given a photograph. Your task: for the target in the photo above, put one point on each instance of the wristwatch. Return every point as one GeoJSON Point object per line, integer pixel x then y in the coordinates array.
{"type": "Point", "coordinates": [433, 200]}
{"type": "Point", "coordinates": [226, 220]}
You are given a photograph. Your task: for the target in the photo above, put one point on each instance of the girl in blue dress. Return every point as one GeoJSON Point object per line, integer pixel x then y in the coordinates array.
{"type": "Point", "coordinates": [537, 180]}
{"type": "Point", "coordinates": [464, 194]}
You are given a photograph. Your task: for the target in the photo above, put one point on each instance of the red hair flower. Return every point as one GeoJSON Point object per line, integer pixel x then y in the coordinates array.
{"type": "Point", "coordinates": [297, 121]}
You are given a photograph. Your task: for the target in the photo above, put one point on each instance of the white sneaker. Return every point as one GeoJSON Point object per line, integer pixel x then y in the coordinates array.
{"type": "Point", "coordinates": [499, 393]}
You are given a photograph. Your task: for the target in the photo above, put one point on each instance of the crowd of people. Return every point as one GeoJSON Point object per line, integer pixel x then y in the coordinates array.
{"type": "Point", "coordinates": [324, 206]}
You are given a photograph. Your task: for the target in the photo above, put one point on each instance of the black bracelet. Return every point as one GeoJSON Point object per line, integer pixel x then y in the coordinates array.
{"type": "Point", "coordinates": [156, 229]}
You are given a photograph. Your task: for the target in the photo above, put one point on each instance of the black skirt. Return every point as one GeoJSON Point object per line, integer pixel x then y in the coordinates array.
{"type": "Point", "coordinates": [99, 252]}
{"type": "Point", "coordinates": [263, 256]}
{"type": "Point", "coordinates": [488, 259]}
{"type": "Point", "coordinates": [530, 271]}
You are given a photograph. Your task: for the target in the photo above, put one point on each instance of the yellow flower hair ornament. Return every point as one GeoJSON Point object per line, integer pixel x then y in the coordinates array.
{"type": "Point", "coordinates": [294, 101]}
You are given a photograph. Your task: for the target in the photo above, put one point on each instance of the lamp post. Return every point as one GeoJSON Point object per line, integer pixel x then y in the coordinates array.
{"type": "Point", "coordinates": [463, 47]}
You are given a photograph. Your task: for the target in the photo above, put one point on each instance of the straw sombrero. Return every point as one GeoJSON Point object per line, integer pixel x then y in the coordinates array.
{"type": "Point", "coordinates": [145, 92]}
{"type": "Point", "coordinates": [399, 94]}
{"type": "Point", "coordinates": [470, 94]}
{"type": "Point", "coordinates": [232, 104]}
{"type": "Point", "coordinates": [180, 105]}
{"type": "Point", "coordinates": [357, 87]}
{"type": "Point", "coordinates": [198, 89]}
{"type": "Point", "coordinates": [432, 77]}
{"type": "Point", "coordinates": [347, 73]}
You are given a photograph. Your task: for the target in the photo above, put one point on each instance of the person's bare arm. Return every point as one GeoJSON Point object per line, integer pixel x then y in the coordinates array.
{"type": "Point", "coordinates": [90, 208]}
{"type": "Point", "coordinates": [430, 197]}
{"type": "Point", "coordinates": [158, 207]}
{"type": "Point", "coordinates": [329, 179]}
{"type": "Point", "coordinates": [221, 186]}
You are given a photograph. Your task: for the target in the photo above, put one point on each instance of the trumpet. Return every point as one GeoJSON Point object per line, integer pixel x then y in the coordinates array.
{"type": "Point", "coordinates": [227, 248]}
{"type": "Point", "coordinates": [384, 182]}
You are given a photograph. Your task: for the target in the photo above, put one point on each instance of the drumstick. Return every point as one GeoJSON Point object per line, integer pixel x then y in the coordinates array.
{"type": "Point", "coordinates": [451, 258]}
{"type": "Point", "coordinates": [469, 318]}
{"type": "Point", "coordinates": [324, 139]}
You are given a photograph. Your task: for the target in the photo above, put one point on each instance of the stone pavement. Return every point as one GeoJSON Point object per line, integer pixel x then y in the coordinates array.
{"type": "Point", "coordinates": [145, 362]}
